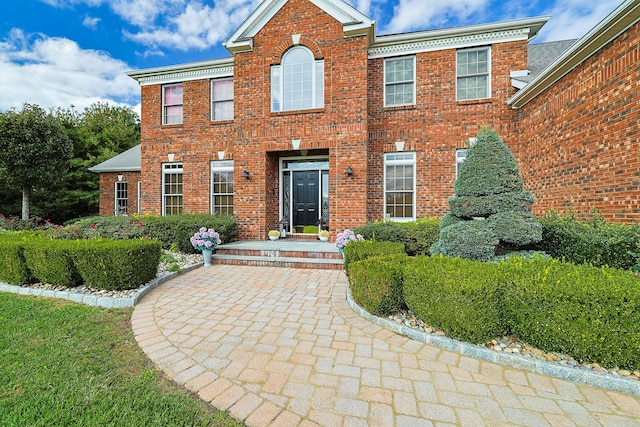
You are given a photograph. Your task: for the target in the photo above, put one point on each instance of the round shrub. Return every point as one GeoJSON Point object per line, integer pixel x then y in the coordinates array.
{"type": "Point", "coordinates": [376, 283]}
{"type": "Point", "coordinates": [459, 296]}
{"type": "Point", "coordinates": [469, 239]}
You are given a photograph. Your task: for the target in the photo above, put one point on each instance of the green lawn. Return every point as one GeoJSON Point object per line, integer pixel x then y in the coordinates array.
{"type": "Point", "coordinates": [65, 364]}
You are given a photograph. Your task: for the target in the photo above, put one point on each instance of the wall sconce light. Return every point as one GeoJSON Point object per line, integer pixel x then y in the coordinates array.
{"type": "Point", "coordinates": [245, 174]}
{"type": "Point", "coordinates": [120, 178]}
{"type": "Point", "coordinates": [349, 171]}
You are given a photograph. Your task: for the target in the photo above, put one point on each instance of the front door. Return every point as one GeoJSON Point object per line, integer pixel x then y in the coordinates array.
{"type": "Point", "coordinates": [306, 195]}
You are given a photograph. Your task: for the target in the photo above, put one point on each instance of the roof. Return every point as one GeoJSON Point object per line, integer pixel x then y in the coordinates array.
{"type": "Point", "coordinates": [614, 24]}
{"type": "Point", "coordinates": [540, 55]}
{"type": "Point", "coordinates": [128, 161]}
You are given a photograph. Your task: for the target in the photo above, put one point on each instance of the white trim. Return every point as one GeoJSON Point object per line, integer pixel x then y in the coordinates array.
{"type": "Point", "coordinates": [213, 101]}
{"type": "Point", "coordinates": [317, 102]}
{"type": "Point", "coordinates": [116, 198]}
{"type": "Point", "coordinates": [220, 169]}
{"type": "Point", "coordinates": [488, 73]}
{"type": "Point", "coordinates": [175, 171]}
{"type": "Point", "coordinates": [139, 196]}
{"type": "Point", "coordinates": [456, 38]}
{"type": "Point", "coordinates": [384, 187]}
{"type": "Point", "coordinates": [384, 81]}
{"type": "Point", "coordinates": [614, 24]}
{"type": "Point", "coordinates": [217, 68]}
{"type": "Point", "coordinates": [164, 106]}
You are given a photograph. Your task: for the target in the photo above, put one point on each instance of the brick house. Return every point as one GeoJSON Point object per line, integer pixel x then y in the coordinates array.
{"type": "Point", "coordinates": [315, 118]}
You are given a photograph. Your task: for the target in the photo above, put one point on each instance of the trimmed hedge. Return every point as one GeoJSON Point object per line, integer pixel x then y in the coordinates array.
{"type": "Point", "coordinates": [51, 261]}
{"type": "Point", "coordinates": [459, 296]}
{"type": "Point", "coordinates": [358, 250]}
{"type": "Point", "coordinates": [171, 230]}
{"type": "Point", "coordinates": [117, 265]}
{"type": "Point", "coordinates": [590, 313]}
{"type": "Point", "coordinates": [417, 236]}
{"type": "Point", "coordinates": [376, 283]}
{"type": "Point", "coordinates": [594, 241]}
{"type": "Point", "coordinates": [13, 267]}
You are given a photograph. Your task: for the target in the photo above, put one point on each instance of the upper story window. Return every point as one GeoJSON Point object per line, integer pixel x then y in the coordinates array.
{"type": "Point", "coordinates": [473, 77]}
{"type": "Point", "coordinates": [172, 104]}
{"type": "Point", "coordinates": [298, 82]}
{"type": "Point", "coordinates": [222, 99]}
{"type": "Point", "coordinates": [399, 81]}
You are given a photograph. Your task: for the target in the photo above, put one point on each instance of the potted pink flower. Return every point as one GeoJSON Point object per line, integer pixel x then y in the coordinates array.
{"type": "Point", "coordinates": [205, 240]}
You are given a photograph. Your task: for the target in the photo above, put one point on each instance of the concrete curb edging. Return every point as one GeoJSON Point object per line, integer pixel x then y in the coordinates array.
{"type": "Point", "coordinates": [556, 370]}
{"type": "Point", "coordinates": [93, 300]}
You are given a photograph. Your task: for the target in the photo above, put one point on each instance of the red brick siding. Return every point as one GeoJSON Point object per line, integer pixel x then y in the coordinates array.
{"type": "Point", "coordinates": [579, 140]}
{"type": "Point", "coordinates": [108, 188]}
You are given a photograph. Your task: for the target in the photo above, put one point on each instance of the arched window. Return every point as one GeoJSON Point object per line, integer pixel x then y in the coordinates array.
{"type": "Point", "coordinates": [298, 82]}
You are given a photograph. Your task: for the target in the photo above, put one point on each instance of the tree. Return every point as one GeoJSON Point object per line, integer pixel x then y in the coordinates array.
{"type": "Point", "coordinates": [490, 208]}
{"type": "Point", "coordinates": [35, 150]}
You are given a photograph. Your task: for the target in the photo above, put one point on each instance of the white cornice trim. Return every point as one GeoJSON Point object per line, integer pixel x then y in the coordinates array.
{"type": "Point", "coordinates": [614, 24]}
{"type": "Point", "coordinates": [178, 73]}
{"type": "Point", "coordinates": [455, 38]}
{"type": "Point", "coordinates": [354, 23]}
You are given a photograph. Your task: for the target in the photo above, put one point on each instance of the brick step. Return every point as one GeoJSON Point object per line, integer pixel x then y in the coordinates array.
{"type": "Point", "coordinates": [278, 253]}
{"type": "Point", "coordinates": [278, 261]}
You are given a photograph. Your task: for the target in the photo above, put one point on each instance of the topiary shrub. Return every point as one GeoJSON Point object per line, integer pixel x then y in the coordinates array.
{"type": "Point", "coordinates": [590, 313]}
{"type": "Point", "coordinates": [376, 283]}
{"type": "Point", "coordinates": [117, 264]}
{"type": "Point", "coordinates": [51, 261]}
{"type": "Point", "coordinates": [362, 249]}
{"type": "Point", "coordinates": [488, 186]}
{"type": "Point", "coordinates": [468, 239]}
{"type": "Point", "coordinates": [459, 296]}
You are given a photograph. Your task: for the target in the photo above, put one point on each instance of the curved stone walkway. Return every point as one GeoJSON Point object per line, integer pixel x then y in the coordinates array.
{"type": "Point", "coordinates": [281, 347]}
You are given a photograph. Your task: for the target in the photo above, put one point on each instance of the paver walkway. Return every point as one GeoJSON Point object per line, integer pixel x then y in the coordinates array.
{"type": "Point", "coordinates": [281, 347]}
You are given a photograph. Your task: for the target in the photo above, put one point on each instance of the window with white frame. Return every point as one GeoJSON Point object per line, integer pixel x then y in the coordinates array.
{"type": "Point", "coordinates": [172, 196]}
{"type": "Point", "coordinates": [461, 156]}
{"type": "Point", "coordinates": [298, 82]}
{"type": "Point", "coordinates": [400, 186]}
{"type": "Point", "coordinates": [399, 81]}
{"type": "Point", "coordinates": [222, 99]}
{"type": "Point", "coordinates": [473, 77]}
{"type": "Point", "coordinates": [122, 198]}
{"type": "Point", "coordinates": [222, 187]}
{"type": "Point", "coordinates": [172, 104]}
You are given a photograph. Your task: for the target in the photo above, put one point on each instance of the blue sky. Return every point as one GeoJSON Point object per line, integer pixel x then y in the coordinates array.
{"type": "Point", "coordinates": [58, 53]}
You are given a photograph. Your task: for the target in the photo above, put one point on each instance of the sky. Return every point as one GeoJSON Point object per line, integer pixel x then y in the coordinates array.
{"type": "Point", "coordinates": [73, 53]}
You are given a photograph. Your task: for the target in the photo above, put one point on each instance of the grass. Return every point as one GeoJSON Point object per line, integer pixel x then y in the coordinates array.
{"type": "Point", "coordinates": [64, 364]}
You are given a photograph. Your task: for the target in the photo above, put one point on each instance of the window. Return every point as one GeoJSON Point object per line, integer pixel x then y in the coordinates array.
{"type": "Point", "coordinates": [399, 81]}
{"type": "Point", "coordinates": [472, 74]}
{"type": "Point", "coordinates": [297, 83]}
{"type": "Point", "coordinates": [461, 156]}
{"type": "Point", "coordinates": [222, 187]}
{"type": "Point", "coordinates": [399, 186]}
{"type": "Point", "coordinates": [172, 198]}
{"type": "Point", "coordinates": [139, 197]}
{"type": "Point", "coordinates": [222, 99]}
{"type": "Point", "coordinates": [121, 201]}
{"type": "Point", "coordinates": [172, 104]}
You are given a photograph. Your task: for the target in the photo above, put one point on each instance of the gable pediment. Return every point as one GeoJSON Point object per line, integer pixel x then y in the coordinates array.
{"type": "Point", "coordinates": [353, 22]}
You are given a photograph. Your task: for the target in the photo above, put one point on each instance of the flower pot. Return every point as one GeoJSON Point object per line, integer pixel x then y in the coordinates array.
{"type": "Point", "coordinates": [206, 255]}
{"type": "Point", "coordinates": [274, 237]}
{"type": "Point", "coordinates": [324, 238]}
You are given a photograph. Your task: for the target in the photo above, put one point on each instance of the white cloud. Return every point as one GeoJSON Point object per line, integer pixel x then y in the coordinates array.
{"type": "Point", "coordinates": [419, 14]}
{"type": "Point", "coordinates": [572, 19]}
{"type": "Point", "coordinates": [363, 6]}
{"type": "Point", "coordinates": [91, 23]}
{"type": "Point", "coordinates": [56, 72]}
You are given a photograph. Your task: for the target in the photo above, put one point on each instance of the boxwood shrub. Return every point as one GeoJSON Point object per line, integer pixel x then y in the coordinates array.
{"type": "Point", "coordinates": [51, 261]}
{"type": "Point", "coordinates": [13, 267]}
{"type": "Point", "coordinates": [459, 296]}
{"type": "Point", "coordinates": [361, 249]}
{"type": "Point", "coordinates": [417, 236]}
{"type": "Point", "coordinates": [588, 312]}
{"type": "Point", "coordinates": [376, 283]}
{"type": "Point", "coordinates": [115, 264]}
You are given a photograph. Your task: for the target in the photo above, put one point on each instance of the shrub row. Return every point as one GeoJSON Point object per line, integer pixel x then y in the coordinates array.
{"type": "Point", "coordinates": [593, 241]}
{"type": "Point", "coordinates": [99, 263]}
{"type": "Point", "coordinates": [172, 230]}
{"type": "Point", "coordinates": [588, 312]}
{"type": "Point", "coordinates": [417, 236]}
